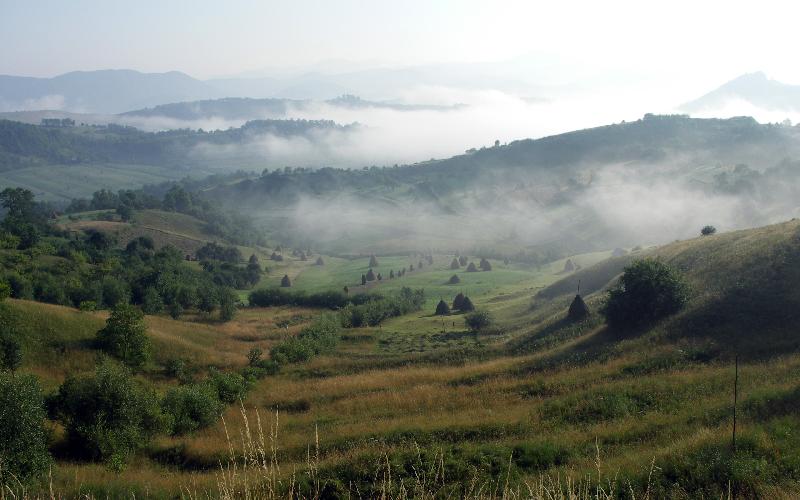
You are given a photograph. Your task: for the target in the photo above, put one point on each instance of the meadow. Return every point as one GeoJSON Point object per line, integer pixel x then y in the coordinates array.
{"type": "Point", "coordinates": [538, 399]}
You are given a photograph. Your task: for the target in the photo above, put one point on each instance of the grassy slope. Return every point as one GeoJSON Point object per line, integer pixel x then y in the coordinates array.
{"type": "Point", "coordinates": [660, 397]}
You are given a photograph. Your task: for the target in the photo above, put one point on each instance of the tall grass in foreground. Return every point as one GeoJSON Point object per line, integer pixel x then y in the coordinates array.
{"type": "Point", "coordinates": [253, 471]}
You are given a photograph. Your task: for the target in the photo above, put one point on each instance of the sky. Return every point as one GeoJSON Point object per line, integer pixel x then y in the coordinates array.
{"type": "Point", "coordinates": [709, 41]}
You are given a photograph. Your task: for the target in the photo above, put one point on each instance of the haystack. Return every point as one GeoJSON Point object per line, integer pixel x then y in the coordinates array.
{"type": "Point", "coordinates": [578, 310]}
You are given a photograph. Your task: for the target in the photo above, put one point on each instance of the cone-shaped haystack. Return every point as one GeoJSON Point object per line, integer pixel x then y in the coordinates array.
{"type": "Point", "coordinates": [569, 266]}
{"type": "Point", "coordinates": [578, 309]}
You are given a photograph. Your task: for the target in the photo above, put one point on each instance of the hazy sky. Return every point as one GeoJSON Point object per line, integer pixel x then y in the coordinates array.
{"type": "Point", "coordinates": [706, 40]}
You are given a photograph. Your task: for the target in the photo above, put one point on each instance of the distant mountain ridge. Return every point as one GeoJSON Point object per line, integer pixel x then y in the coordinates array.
{"type": "Point", "coordinates": [103, 91]}
{"type": "Point", "coordinates": [120, 91]}
{"type": "Point", "coordinates": [754, 88]}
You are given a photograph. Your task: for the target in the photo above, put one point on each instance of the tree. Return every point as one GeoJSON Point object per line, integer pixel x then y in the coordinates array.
{"type": "Point", "coordinates": [454, 280]}
{"type": "Point", "coordinates": [442, 309]}
{"type": "Point", "coordinates": [253, 270]}
{"type": "Point", "coordinates": [411, 268]}
{"type": "Point", "coordinates": [485, 265]}
{"type": "Point", "coordinates": [391, 274]}
{"type": "Point", "coordinates": [419, 266]}
{"type": "Point", "coordinates": [708, 230]}
{"type": "Point", "coordinates": [108, 416]}
{"type": "Point", "coordinates": [23, 438]}
{"type": "Point", "coordinates": [207, 299]}
{"type": "Point", "coordinates": [152, 303]}
{"type": "Point", "coordinates": [363, 279]}
{"type": "Point", "coordinates": [648, 290]}
{"type": "Point", "coordinates": [478, 320]}
{"type": "Point", "coordinates": [370, 275]}
{"type": "Point", "coordinates": [455, 264]}
{"type": "Point", "coordinates": [458, 301]}
{"type": "Point", "coordinates": [347, 289]}
{"type": "Point", "coordinates": [227, 303]}
{"type": "Point", "coordinates": [380, 277]}
{"type": "Point", "coordinates": [466, 305]}
{"type": "Point", "coordinates": [10, 342]}
{"type": "Point", "coordinates": [285, 281]}
{"type": "Point", "coordinates": [125, 336]}
{"type": "Point", "coordinates": [462, 260]}
{"type": "Point", "coordinates": [373, 261]}
{"type": "Point", "coordinates": [471, 268]}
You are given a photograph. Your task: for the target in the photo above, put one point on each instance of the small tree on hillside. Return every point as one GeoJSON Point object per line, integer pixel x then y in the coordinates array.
{"type": "Point", "coordinates": [708, 230]}
{"type": "Point", "coordinates": [125, 336]}
{"type": "Point", "coordinates": [370, 275]}
{"type": "Point", "coordinates": [454, 280]}
{"type": "Point", "coordinates": [442, 309]}
{"type": "Point", "coordinates": [23, 436]}
{"type": "Point", "coordinates": [286, 282]}
{"type": "Point", "coordinates": [411, 268]}
{"type": "Point", "coordinates": [471, 268]}
{"type": "Point", "coordinates": [346, 289]}
{"type": "Point", "coordinates": [391, 274]}
{"type": "Point", "coordinates": [485, 265]}
{"type": "Point", "coordinates": [373, 261]}
{"type": "Point", "coordinates": [419, 266]}
{"type": "Point", "coordinates": [478, 320]}
{"type": "Point", "coordinates": [647, 290]}
{"type": "Point", "coordinates": [227, 303]}
{"type": "Point", "coordinates": [380, 277]}
{"type": "Point", "coordinates": [455, 264]}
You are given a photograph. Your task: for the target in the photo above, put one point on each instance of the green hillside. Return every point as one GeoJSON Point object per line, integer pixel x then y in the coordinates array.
{"type": "Point", "coordinates": [642, 410]}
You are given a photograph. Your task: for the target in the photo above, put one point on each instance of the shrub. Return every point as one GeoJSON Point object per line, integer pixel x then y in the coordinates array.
{"type": "Point", "coordinates": [5, 290]}
{"type": "Point", "coordinates": [539, 456]}
{"type": "Point", "coordinates": [192, 407]}
{"type": "Point", "coordinates": [107, 416]}
{"type": "Point", "coordinates": [708, 230]}
{"type": "Point", "coordinates": [230, 387]}
{"type": "Point", "coordinates": [23, 440]}
{"type": "Point", "coordinates": [478, 320]}
{"type": "Point", "coordinates": [87, 305]}
{"type": "Point", "coordinates": [647, 290]}
{"type": "Point", "coordinates": [125, 336]}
